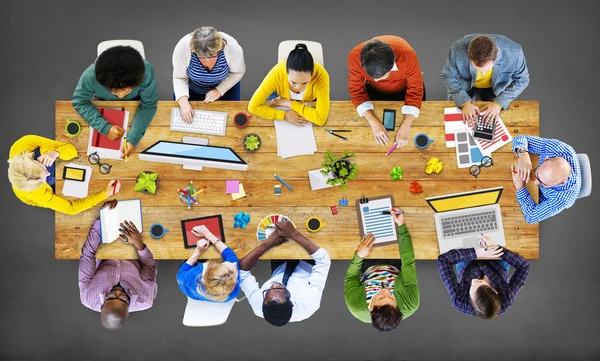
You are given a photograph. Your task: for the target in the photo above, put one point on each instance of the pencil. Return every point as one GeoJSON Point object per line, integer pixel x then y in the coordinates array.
{"type": "Point", "coordinates": [191, 187]}
{"type": "Point", "coordinates": [189, 204]}
{"type": "Point", "coordinates": [125, 146]}
{"type": "Point", "coordinates": [182, 191]}
{"type": "Point", "coordinates": [195, 194]}
{"type": "Point", "coordinates": [283, 182]}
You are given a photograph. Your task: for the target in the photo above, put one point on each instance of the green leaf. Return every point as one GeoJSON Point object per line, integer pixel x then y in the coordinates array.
{"type": "Point", "coordinates": [151, 188]}
{"type": "Point", "coordinates": [153, 177]}
{"type": "Point", "coordinates": [140, 186]}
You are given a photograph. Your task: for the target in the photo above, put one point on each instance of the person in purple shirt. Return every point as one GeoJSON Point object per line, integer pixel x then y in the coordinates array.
{"type": "Point", "coordinates": [481, 286]}
{"type": "Point", "coordinates": [115, 287]}
{"type": "Point", "coordinates": [215, 280]}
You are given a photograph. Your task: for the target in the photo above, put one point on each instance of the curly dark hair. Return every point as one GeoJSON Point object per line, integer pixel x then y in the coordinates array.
{"type": "Point", "coordinates": [276, 313]}
{"type": "Point", "coordinates": [386, 318]}
{"type": "Point", "coordinates": [482, 49]}
{"type": "Point", "coordinates": [120, 67]}
{"type": "Point", "coordinates": [377, 58]}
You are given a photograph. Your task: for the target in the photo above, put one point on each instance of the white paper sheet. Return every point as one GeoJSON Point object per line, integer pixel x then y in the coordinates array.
{"type": "Point", "coordinates": [77, 189]}
{"type": "Point", "coordinates": [294, 140]}
{"type": "Point", "coordinates": [110, 219]}
{"type": "Point", "coordinates": [318, 180]}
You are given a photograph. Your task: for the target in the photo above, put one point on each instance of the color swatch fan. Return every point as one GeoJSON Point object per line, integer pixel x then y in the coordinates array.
{"type": "Point", "coordinates": [267, 225]}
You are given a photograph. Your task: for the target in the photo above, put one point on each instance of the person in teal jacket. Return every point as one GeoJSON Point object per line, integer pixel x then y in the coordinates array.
{"type": "Point", "coordinates": [119, 73]}
{"type": "Point", "coordinates": [383, 292]}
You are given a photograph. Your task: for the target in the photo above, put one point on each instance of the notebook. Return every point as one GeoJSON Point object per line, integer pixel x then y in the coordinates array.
{"type": "Point", "coordinates": [111, 219]}
{"type": "Point", "coordinates": [100, 143]}
{"type": "Point", "coordinates": [371, 220]}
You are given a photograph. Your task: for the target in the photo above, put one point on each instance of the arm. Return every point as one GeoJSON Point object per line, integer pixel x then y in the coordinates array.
{"type": "Point", "coordinates": [148, 270]}
{"type": "Point", "coordinates": [44, 197]}
{"type": "Point", "coordinates": [414, 88]}
{"type": "Point", "coordinates": [536, 213]}
{"type": "Point", "coordinates": [446, 264]}
{"type": "Point", "coordinates": [252, 291]}
{"type": "Point", "coordinates": [317, 115]}
{"type": "Point", "coordinates": [533, 145]}
{"type": "Point", "coordinates": [354, 290]}
{"type": "Point", "coordinates": [251, 258]}
{"type": "Point", "coordinates": [66, 151]}
{"type": "Point", "coordinates": [520, 80]}
{"type": "Point", "coordinates": [406, 288]}
{"type": "Point", "coordinates": [181, 61]}
{"type": "Point", "coordinates": [356, 84]}
{"type": "Point", "coordinates": [88, 265]}
{"type": "Point", "coordinates": [237, 68]}
{"type": "Point", "coordinates": [147, 108]}
{"type": "Point", "coordinates": [257, 104]}
{"type": "Point", "coordinates": [518, 278]}
{"type": "Point", "coordinates": [317, 278]}
{"type": "Point", "coordinates": [450, 76]}
{"type": "Point", "coordinates": [82, 102]}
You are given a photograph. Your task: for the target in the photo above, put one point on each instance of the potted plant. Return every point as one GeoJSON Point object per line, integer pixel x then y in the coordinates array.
{"type": "Point", "coordinates": [252, 142]}
{"type": "Point", "coordinates": [342, 168]}
{"type": "Point", "coordinates": [146, 181]}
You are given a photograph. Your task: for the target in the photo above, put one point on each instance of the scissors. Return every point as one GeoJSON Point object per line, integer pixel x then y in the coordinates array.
{"type": "Point", "coordinates": [331, 131]}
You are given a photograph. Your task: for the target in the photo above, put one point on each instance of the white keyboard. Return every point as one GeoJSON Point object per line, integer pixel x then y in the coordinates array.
{"type": "Point", "coordinates": [205, 122]}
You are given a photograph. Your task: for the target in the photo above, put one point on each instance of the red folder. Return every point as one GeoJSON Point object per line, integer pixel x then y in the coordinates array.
{"type": "Point", "coordinates": [113, 117]}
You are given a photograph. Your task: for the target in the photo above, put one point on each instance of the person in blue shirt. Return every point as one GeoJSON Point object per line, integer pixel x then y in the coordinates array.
{"type": "Point", "coordinates": [215, 280]}
{"type": "Point", "coordinates": [558, 176]}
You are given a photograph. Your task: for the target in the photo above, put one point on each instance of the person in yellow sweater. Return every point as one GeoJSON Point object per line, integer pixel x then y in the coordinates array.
{"type": "Point", "coordinates": [31, 173]}
{"type": "Point", "coordinates": [296, 80]}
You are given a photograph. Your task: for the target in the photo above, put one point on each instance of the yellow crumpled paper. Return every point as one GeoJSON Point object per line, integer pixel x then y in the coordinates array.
{"type": "Point", "coordinates": [434, 165]}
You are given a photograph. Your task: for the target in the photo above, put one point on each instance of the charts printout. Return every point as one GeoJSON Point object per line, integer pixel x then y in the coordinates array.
{"type": "Point", "coordinates": [381, 225]}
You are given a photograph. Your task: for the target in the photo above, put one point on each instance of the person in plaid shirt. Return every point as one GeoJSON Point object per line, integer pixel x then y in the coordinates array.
{"type": "Point", "coordinates": [481, 286]}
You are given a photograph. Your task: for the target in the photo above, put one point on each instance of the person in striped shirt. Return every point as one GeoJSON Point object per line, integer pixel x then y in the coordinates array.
{"type": "Point", "coordinates": [557, 175]}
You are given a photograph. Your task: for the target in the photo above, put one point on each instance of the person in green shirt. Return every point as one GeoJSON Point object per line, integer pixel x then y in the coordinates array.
{"type": "Point", "coordinates": [383, 292]}
{"type": "Point", "coordinates": [119, 73]}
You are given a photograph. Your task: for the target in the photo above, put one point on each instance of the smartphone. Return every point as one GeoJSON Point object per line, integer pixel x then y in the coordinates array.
{"type": "Point", "coordinates": [75, 174]}
{"type": "Point", "coordinates": [389, 119]}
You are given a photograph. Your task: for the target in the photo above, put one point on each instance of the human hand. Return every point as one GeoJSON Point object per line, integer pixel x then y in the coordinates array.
{"type": "Point", "coordinates": [212, 95]}
{"type": "Point", "coordinates": [398, 218]}
{"type": "Point", "coordinates": [519, 183]}
{"type": "Point", "coordinates": [470, 112]}
{"type": "Point", "coordinates": [115, 132]}
{"type": "Point", "coordinates": [110, 204]}
{"type": "Point", "coordinates": [492, 251]}
{"type": "Point", "coordinates": [286, 229]}
{"type": "Point", "coordinates": [203, 232]}
{"type": "Point", "coordinates": [523, 166]}
{"type": "Point", "coordinates": [129, 233]}
{"type": "Point", "coordinates": [280, 102]}
{"type": "Point", "coordinates": [48, 158]}
{"type": "Point", "coordinates": [379, 133]}
{"type": "Point", "coordinates": [129, 149]}
{"type": "Point", "coordinates": [402, 136]}
{"type": "Point", "coordinates": [201, 246]}
{"type": "Point", "coordinates": [111, 190]}
{"type": "Point", "coordinates": [292, 117]}
{"type": "Point", "coordinates": [365, 246]}
{"type": "Point", "coordinates": [186, 110]}
{"type": "Point", "coordinates": [490, 112]}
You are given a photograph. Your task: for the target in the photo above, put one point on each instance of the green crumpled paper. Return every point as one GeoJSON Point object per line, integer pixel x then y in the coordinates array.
{"type": "Point", "coordinates": [397, 173]}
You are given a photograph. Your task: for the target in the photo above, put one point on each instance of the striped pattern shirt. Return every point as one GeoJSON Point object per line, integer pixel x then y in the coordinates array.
{"type": "Point", "coordinates": [458, 287]}
{"type": "Point", "coordinates": [98, 277]}
{"type": "Point", "coordinates": [201, 80]}
{"type": "Point", "coordinates": [377, 277]}
{"type": "Point", "coordinates": [551, 200]}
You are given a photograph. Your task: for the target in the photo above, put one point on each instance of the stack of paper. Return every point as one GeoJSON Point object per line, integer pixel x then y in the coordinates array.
{"type": "Point", "coordinates": [77, 189]}
{"type": "Point", "coordinates": [294, 140]}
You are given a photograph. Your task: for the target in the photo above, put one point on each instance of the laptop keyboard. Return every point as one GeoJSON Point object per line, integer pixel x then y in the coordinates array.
{"type": "Point", "coordinates": [469, 223]}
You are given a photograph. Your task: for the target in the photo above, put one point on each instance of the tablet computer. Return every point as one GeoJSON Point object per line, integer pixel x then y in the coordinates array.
{"type": "Point", "coordinates": [213, 223]}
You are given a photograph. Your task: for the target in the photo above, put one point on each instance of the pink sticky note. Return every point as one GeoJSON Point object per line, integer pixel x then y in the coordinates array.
{"type": "Point", "coordinates": [232, 186]}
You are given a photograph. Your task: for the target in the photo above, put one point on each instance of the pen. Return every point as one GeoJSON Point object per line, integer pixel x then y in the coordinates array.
{"type": "Point", "coordinates": [391, 149]}
{"type": "Point", "coordinates": [283, 182]}
{"type": "Point", "coordinates": [339, 136]}
{"type": "Point", "coordinates": [125, 146]}
{"type": "Point", "coordinates": [395, 212]}
{"type": "Point", "coordinates": [482, 242]}
{"type": "Point", "coordinates": [114, 188]}
{"type": "Point", "coordinates": [340, 130]}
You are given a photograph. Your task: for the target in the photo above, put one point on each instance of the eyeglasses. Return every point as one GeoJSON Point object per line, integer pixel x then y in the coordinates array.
{"type": "Point", "coordinates": [535, 176]}
{"type": "Point", "coordinates": [122, 297]}
{"type": "Point", "coordinates": [208, 57]}
{"type": "Point", "coordinates": [282, 287]}
{"type": "Point", "coordinates": [94, 159]}
{"type": "Point", "coordinates": [476, 169]}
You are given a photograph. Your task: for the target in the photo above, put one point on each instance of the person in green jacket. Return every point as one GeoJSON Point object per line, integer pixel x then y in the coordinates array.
{"type": "Point", "coordinates": [383, 292]}
{"type": "Point", "coordinates": [119, 73]}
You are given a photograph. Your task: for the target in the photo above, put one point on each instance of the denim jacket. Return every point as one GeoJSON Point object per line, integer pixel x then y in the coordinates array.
{"type": "Point", "coordinates": [509, 77]}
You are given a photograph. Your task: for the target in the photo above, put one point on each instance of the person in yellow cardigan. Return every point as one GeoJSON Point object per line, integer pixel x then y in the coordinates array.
{"type": "Point", "coordinates": [31, 173]}
{"type": "Point", "coordinates": [296, 80]}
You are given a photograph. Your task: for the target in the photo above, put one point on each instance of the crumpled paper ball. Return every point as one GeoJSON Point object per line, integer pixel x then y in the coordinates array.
{"type": "Point", "coordinates": [241, 220]}
{"type": "Point", "coordinates": [397, 173]}
{"type": "Point", "coordinates": [416, 188]}
{"type": "Point", "coordinates": [434, 165]}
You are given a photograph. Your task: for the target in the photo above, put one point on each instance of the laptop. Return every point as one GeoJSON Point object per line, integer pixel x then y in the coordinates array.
{"type": "Point", "coordinates": [462, 217]}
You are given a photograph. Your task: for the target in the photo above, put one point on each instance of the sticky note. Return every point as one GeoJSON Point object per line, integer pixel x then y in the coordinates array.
{"type": "Point", "coordinates": [240, 194]}
{"type": "Point", "coordinates": [232, 186]}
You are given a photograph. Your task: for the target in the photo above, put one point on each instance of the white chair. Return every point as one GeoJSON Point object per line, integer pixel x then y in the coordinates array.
{"type": "Point", "coordinates": [206, 314]}
{"type": "Point", "coordinates": [586, 175]}
{"type": "Point", "coordinates": [136, 44]}
{"type": "Point", "coordinates": [316, 50]}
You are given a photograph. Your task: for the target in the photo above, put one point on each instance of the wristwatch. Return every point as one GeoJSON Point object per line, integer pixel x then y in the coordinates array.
{"type": "Point", "coordinates": [521, 150]}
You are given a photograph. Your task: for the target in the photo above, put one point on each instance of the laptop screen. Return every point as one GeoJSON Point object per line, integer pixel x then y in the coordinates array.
{"type": "Point", "coordinates": [464, 200]}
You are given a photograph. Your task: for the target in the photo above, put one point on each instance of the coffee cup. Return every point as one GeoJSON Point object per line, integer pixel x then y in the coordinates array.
{"type": "Point", "coordinates": [314, 224]}
{"type": "Point", "coordinates": [422, 141]}
{"type": "Point", "coordinates": [157, 230]}
{"type": "Point", "coordinates": [72, 128]}
{"type": "Point", "coordinates": [241, 119]}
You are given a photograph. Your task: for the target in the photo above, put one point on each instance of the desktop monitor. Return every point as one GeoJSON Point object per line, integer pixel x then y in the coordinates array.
{"type": "Point", "coordinates": [193, 155]}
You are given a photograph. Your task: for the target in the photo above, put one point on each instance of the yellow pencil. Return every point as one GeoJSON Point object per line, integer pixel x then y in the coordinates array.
{"type": "Point", "coordinates": [125, 146]}
{"type": "Point", "coordinates": [195, 194]}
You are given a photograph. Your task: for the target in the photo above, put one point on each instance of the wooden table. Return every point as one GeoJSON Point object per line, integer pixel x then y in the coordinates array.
{"type": "Point", "coordinates": [340, 236]}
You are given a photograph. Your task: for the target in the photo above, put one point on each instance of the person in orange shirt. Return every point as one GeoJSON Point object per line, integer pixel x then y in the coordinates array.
{"type": "Point", "coordinates": [386, 68]}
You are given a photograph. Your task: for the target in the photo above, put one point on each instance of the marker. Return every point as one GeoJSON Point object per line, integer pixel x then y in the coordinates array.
{"type": "Point", "coordinates": [283, 182]}
{"type": "Point", "coordinates": [183, 191]}
{"type": "Point", "coordinates": [391, 149]}
{"type": "Point", "coordinates": [114, 188]}
{"type": "Point", "coordinates": [125, 146]}
{"type": "Point", "coordinates": [195, 194]}
{"type": "Point", "coordinates": [395, 212]}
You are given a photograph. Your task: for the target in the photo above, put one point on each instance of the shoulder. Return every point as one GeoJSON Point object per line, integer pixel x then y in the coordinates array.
{"type": "Point", "coordinates": [320, 74]}
{"type": "Point", "coordinates": [505, 43]}
{"type": "Point", "coordinates": [89, 74]}
{"type": "Point", "coordinates": [354, 55]}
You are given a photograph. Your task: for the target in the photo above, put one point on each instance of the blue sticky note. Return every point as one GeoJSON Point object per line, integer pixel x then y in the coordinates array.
{"type": "Point", "coordinates": [365, 209]}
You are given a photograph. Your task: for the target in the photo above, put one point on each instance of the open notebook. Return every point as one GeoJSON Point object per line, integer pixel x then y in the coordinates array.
{"type": "Point", "coordinates": [111, 219]}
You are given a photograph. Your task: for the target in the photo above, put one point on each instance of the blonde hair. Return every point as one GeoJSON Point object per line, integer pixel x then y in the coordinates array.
{"type": "Point", "coordinates": [207, 41]}
{"type": "Point", "coordinates": [217, 282]}
{"type": "Point", "coordinates": [24, 173]}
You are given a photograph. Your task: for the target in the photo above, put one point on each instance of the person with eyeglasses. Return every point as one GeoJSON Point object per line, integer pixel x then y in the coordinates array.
{"type": "Point", "coordinates": [294, 291]}
{"type": "Point", "coordinates": [119, 73]}
{"type": "Point", "coordinates": [31, 172]}
{"type": "Point", "coordinates": [208, 65]}
{"type": "Point", "coordinates": [558, 176]}
{"type": "Point", "coordinates": [116, 287]}
{"type": "Point", "coordinates": [383, 292]}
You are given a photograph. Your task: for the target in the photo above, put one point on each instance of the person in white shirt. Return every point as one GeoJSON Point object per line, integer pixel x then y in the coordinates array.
{"type": "Point", "coordinates": [295, 289]}
{"type": "Point", "coordinates": [207, 65]}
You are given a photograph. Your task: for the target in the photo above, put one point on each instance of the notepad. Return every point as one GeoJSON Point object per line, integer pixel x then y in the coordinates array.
{"type": "Point", "coordinates": [111, 219]}
{"type": "Point", "coordinates": [294, 140]}
{"type": "Point", "coordinates": [372, 221]}
{"type": "Point", "coordinates": [99, 143]}
{"type": "Point", "coordinates": [240, 194]}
